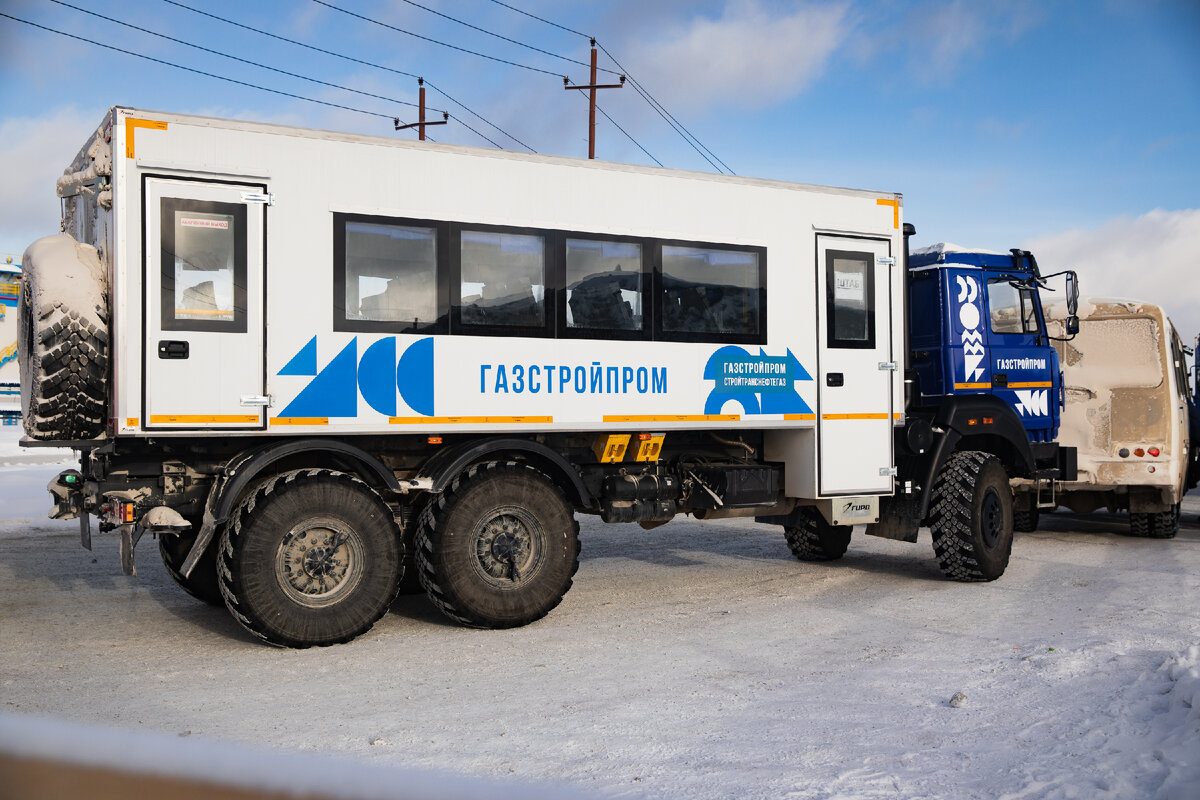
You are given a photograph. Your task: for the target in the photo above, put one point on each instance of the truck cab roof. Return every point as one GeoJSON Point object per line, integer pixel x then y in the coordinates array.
{"type": "Point", "coordinates": [946, 253]}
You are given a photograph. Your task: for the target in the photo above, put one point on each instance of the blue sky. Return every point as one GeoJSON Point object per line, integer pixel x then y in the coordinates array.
{"type": "Point", "coordinates": [1072, 128]}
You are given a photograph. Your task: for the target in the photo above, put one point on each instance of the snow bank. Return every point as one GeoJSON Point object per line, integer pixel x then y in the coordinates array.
{"type": "Point", "coordinates": [273, 773]}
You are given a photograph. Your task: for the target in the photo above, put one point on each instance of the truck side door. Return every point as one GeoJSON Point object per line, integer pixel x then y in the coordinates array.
{"type": "Point", "coordinates": [1023, 368]}
{"type": "Point", "coordinates": [203, 360]}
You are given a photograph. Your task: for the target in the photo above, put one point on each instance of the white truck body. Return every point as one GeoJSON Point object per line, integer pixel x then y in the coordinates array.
{"type": "Point", "coordinates": [283, 366]}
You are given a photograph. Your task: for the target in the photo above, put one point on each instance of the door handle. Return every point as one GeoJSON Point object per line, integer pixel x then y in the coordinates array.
{"type": "Point", "coordinates": [173, 349]}
{"type": "Point", "coordinates": [834, 379]}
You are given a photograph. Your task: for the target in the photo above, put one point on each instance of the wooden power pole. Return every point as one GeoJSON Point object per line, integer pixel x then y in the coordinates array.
{"type": "Point", "coordinates": [592, 87]}
{"type": "Point", "coordinates": [420, 126]}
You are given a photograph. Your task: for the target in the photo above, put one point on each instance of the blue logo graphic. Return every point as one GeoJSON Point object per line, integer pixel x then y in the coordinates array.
{"type": "Point", "coordinates": [334, 390]}
{"type": "Point", "coordinates": [761, 384]}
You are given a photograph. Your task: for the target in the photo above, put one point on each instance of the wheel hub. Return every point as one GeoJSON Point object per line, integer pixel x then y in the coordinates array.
{"type": "Point", "coordinates": [991, 519]}
{"type": "Point", "coordinates": [319, 562]}
{"type": "Point", "coordinates": [505, 547]}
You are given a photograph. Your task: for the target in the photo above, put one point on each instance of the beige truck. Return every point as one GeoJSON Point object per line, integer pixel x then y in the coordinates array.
{"type": "Point", "coordinates": [1127, 396]}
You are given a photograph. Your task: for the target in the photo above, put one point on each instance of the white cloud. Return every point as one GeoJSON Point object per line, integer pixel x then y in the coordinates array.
{"type": "Point", "coordinates": [1154, 258]}
{"type": "Point", "coordinates": [36, 151]}
{"type": "Point", "coordinates": [747, 59]}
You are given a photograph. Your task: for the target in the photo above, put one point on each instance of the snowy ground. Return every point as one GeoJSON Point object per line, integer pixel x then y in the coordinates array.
{"type": "Point", "coordinates": [697, 661]}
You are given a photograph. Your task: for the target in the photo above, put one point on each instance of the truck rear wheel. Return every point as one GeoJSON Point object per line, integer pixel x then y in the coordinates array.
{"type": "Point", "coordinates": [62, 336]}
{"type": "Point", "coordinates": [972, 518]}
{"type": "Point", "coordinates": [1156, 525]}
{"type": "Point", "coordinates": [814, 539]}
{"type": "Point", "coordinates": [499, 547]}
{"type": "Point", "coordinates": [202, 584]}
{"type": "Point", "coordinates": [311, 557]}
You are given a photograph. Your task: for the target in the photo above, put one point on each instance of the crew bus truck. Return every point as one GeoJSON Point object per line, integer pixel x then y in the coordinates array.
{"type": "Point", "coordinates": [309, 362]}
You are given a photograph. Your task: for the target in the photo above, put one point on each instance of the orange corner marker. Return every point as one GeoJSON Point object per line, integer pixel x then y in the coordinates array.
{"type": "Point", "coordinates": [132, 124]}
{"type": "Point", "coordinates": [895, 204]}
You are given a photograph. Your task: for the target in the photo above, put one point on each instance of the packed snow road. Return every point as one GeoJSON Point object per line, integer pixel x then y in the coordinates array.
{"type": "Point", "coordinates": [699, 660]}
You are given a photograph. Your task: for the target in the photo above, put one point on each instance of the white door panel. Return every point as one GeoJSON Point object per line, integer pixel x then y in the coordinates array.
{"type": "Point", "coordinates": [204, 306]}
{"type": "Point", "coordinates": [854, 383]}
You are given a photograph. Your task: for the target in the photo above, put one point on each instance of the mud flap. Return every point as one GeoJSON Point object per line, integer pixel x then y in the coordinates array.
{"type": "Point", "coordinates": [131, 534]}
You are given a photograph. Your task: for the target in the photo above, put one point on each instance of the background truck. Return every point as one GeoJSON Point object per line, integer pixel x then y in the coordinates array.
{"type": "Point", "coordinates": [311, 362]}
{"type": "Point", "coordinates": [1127, 414]}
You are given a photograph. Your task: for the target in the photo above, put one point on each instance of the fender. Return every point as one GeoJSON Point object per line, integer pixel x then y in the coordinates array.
{"type": "Point", "coordinates": [242, 469]}
{"type": "Point", "coordinates": [1004, 437]}
{"type": "Point", "coordinates": [446, 464]}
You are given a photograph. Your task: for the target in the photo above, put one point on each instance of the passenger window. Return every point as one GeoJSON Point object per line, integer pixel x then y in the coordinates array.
{"type": "Point", "coordinates": [391, 274]}
{"type": "Point", "coordinates": [203, 265]}
{"type": "Point", "coordinates": [710, 292]}
{"type": "Point", "coordinates": [503, 279]}
{"type": "Point", "coordinates": [850, 299]}
{"type": "Point", "coordinates": [1011, 307]}
{"type": "Point", "coordinates": [604, 285]}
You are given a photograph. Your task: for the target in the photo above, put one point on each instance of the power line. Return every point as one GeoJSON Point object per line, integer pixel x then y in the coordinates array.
{"type": "Point", "coordinates": [675, 124]}
{"type": "Point", "coordinates": [238, 58]}
{"type": "Point", "coordinates": [540, 19]}
{"type": "Point", "coordinates": [388, 117]}
{"type": "Point", "coordinates": [657, 106]}
{"type": "Point", "coordinates": [354, 60]}
{"type": "Point", "coordinates": [504, 38]}
{"type": "Point", "coordinates": [435, 41]}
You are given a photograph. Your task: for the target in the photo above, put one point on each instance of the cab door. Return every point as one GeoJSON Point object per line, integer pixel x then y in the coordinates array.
{"type": "Point", "coordinates": [855, 363]}
{"type": "Point", "coordinates": [203, 359]}
{"type": "Point", "coordinates": [1023, 368]}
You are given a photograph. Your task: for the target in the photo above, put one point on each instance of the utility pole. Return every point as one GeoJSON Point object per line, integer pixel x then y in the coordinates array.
{"type": "Point", "coordinates": [592, 87]}
{"type": "Point", "coordinates": [422, 123]}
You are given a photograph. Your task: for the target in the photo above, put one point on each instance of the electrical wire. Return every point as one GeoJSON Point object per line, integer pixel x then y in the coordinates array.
{"type": "Point", "coordinates": [435, 41]}
{"type": "Point", "coordinates": [388, 117]}
{"type": "Point", "coordinates": [354, 60]}
{"type": "Point", "coordinates": [505, 38]}
{"type": "Point", "coordinates": [239, 58]}
{"type": "Point", "coordinates": [657, 106]}
{"type": "Point", "coordinates": [540, 19]}
{"type": "Point", "coordinates": [674, 123]}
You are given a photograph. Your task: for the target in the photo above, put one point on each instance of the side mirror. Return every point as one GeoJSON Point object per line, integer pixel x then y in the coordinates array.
{"type": "Point", "coordinates": [1072, 325]}
{"type": "Point", "coordinates": [1072, 281]}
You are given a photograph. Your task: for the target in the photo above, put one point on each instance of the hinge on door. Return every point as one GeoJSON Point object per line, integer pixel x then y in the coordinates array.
{"type": "Point", "coordinates": [886, 261]}
{"type": "Point", "coordinates": [258, 197]}
{"type": "Point", "coordinates": [887, 471]}
{"type": "Point", "coordinates": [256, 400]}
{"type": "Point", "coordinates": [888, 366]}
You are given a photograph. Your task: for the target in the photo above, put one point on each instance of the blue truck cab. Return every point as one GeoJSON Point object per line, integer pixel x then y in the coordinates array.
{"type": "Point", "coordinates": [977, 327]}
{"type": "Point", "coordinates": [983, 385]}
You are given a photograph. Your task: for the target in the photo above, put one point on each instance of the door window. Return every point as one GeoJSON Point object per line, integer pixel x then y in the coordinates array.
{"type": "Point", "coordinates": [1010, 307]}
{"type": "Point", "coordinates": [203, 265]}
{"type": "Point", "coordinates": [850, 292]}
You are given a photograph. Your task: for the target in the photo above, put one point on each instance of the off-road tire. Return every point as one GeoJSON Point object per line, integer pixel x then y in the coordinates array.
{"type": "Point", "coordinates": [1164, 524]}
{"type": "Point", "coordinates": [295, 591]}
{"type": "Point", "coordinates": [1139, 525]}
{"type": "Point", "coordinates": [499, 547]}
{"type": "Point", "coordinates": [814, 539]}
{"type": "Point", "coordinates": [1026, 521]}
{"type": "Point", "coordinates": [202, 584]}
{"type": "Point", "coordinates": [63, 347]}
{"type": "Point", "coordinates": [971, 517]}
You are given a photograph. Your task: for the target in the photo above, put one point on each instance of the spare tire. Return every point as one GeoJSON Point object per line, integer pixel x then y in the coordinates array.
{"type": "Point", "coordinates": [62, 340]}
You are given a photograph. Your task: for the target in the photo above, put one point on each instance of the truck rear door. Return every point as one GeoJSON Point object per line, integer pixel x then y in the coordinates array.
{"type": "Point", "coordinates": [203, 359]}
{"type": "Point", "coordinates": [855, 363]}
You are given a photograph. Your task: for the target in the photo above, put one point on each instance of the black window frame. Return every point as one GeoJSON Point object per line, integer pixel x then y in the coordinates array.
{"type": "Point", "coordinates": [342, 323]}
{"type": "Point", "coordinates": [166, 237]}
{"type": "Point", "coordinates": [1025, 296]}
{"type": "Point", "coordinates": [659, 335]}
{"type": "Point", "coordinates": [832, 340]}
{"type": "Point", "coordinates": [453, 264]}
{"type": "Point", "coordinates": [645, 283]}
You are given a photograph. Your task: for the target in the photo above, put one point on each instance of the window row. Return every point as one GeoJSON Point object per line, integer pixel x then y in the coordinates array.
{"type": "Point", "coordinates": [418, 276]}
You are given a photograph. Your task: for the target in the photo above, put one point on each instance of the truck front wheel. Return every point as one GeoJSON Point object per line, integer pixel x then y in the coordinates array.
{"type": "Point", "coordinates": [499, 547]}
{"type": "Point", "coordinates": [814, 539]}
{"type": "Point", "coordinates": [972, 517]}
{"type": "Point", "coordinates": [310, 557]}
